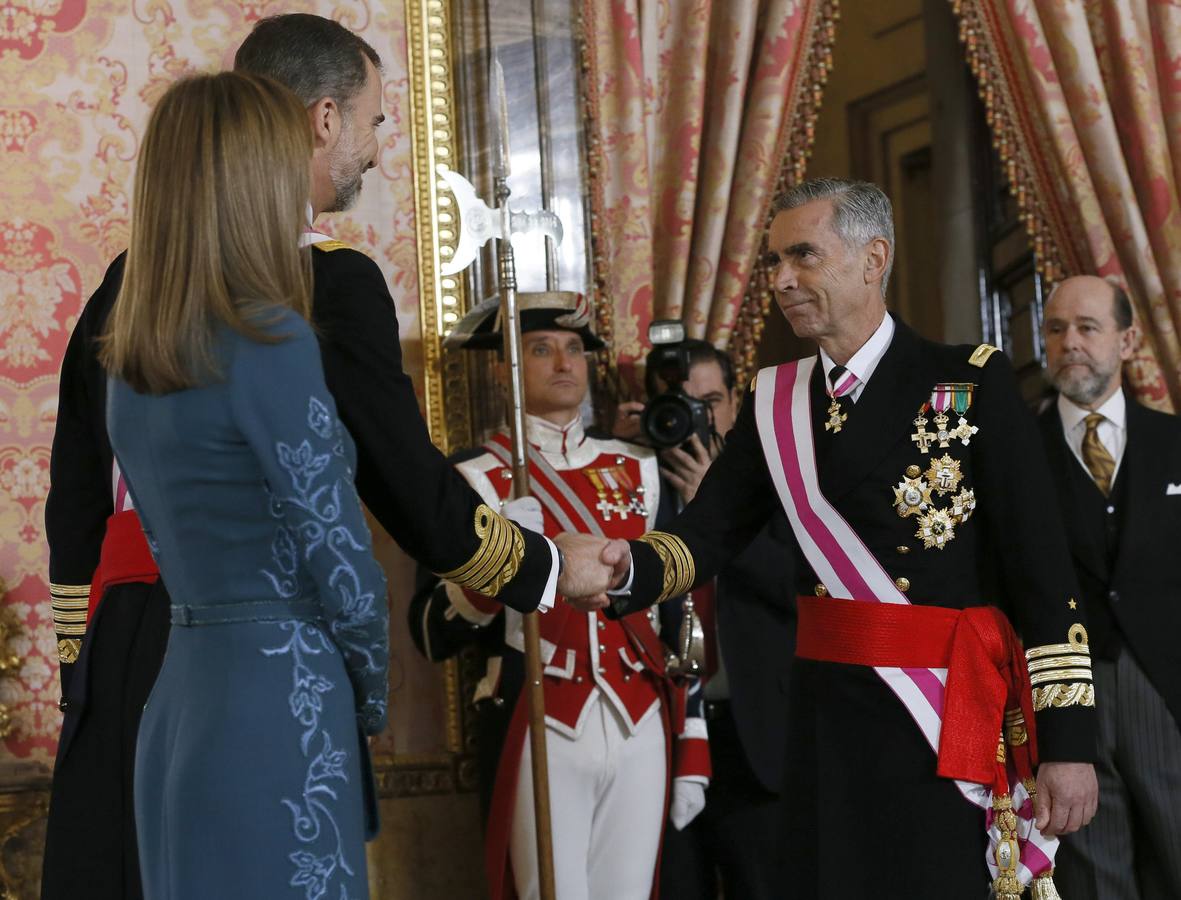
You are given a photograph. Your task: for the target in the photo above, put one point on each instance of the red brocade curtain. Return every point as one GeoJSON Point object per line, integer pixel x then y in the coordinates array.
{"type": "Point", "coordinates": [1084, 99]}
{"type": "Point", "coordinates": [696, 110]}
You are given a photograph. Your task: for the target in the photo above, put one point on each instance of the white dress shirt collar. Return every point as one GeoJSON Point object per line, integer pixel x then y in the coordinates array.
{"type": "Point", "coordinates": [1112, 431]}
{"type": "Point", "coordinates": [556, 442]}
{"type": "Point", "coordinates": [866, 359]}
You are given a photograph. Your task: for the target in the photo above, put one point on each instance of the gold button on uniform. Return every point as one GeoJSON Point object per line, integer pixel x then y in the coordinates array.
{"type": "Point", "coordinates": [821, 591]}
{"type": "Point", "coordinates": [913, 471]}
{"type": "Point", "coordinates": [903, 584]}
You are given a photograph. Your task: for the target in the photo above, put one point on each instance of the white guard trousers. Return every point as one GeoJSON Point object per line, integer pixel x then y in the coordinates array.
{"type": "Point", "coordinates": [607, 804]}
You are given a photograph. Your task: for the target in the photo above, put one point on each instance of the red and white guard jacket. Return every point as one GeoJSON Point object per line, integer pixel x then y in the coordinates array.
{"type": "Point", "coordinates": [587, 655]}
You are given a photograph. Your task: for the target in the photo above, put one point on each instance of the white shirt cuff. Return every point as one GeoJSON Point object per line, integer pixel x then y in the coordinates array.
{"type": "Point", "coordinates": [551, 586]}
{"type": "Point", "coordinates": [626, 588]}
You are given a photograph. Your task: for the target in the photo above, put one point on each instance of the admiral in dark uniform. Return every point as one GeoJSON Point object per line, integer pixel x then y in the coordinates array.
{"type": "Point", "coordinates": [402, 478]}
{"type": "Point", "coordinates": [1117, 468]}
{"type": "Point", "coordinates": [940, 516]}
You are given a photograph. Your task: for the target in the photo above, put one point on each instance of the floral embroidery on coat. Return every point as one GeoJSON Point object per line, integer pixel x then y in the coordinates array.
{"type": "Point", "coordinates": [315, 552]}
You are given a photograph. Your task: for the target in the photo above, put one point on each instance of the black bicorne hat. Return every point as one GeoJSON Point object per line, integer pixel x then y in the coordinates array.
{"type": "Point", "coordinates": [539, 311]}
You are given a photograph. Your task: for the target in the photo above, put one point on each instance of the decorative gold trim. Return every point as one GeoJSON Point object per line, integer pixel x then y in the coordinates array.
{"type": "Point", "coordinates": [1054, 650]}
{"type": "Point", "coordinates": [799, 134]}
{"type": "Point", "coordinates": [68, 650]}
{"type": "Point", "coordinates": [434, 129]}
{"type": "Point", "coordinates": [1040, 665]}
{"type": "Point", "coordinates": [69, 590]}
{"type": "Point", "coordinates": [1058, 676]}
{"type": "Point", "coordinates": [981, 355]}
{"type": "Point", "coordinates": [1015, 731]}
{"type": "Point", "coordinates": [496, 560]}
{"type": "Point", "coordinates": [1059, 695]}
{"type": "Point", "coordinates": [10, 661]}
{"type": "Point", "coordinates": [679, 571]}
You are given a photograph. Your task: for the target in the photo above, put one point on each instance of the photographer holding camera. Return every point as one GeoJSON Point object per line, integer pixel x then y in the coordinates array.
{"type": "Point", "coordinates": [748, 617]}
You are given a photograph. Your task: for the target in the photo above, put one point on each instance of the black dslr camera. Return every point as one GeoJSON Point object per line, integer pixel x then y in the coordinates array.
{"type": "Point", "coordinates": [671, 418]}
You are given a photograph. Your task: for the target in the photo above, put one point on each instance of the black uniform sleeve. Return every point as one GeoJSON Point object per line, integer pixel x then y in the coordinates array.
{"type": "Point", "coordinates": [1015, 496]}
{"type": "Point", "coordinates": [735, 500]}
{"type": "Point", "coordinates": [80, 470]}
{"type": "Point", "coordinates": [438, 629]}
{"type": "Point", "coordinates": [403, 478]}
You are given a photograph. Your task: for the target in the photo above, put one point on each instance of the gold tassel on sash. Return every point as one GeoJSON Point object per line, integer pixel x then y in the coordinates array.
{"type": "Point", "coordinates": [1006, 885]}
{"type": "Point", "coordinates": [1043, 887]}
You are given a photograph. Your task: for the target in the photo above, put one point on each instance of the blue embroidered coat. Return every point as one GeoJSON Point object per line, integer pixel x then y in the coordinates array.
{"type": "Point", "coordinates": [250, 764]}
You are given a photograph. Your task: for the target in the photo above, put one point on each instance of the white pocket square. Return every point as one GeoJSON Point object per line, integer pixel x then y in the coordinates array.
{"type": "Point", "coordinates": [1173, 490]}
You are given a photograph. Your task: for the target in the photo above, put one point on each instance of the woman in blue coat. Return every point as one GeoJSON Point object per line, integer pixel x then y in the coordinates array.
{"type": "Point", "coordinates": [251, 769]}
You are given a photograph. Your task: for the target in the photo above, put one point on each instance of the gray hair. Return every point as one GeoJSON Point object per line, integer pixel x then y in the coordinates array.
{"type": "Point", "coordinates": [861, 211]}
{"type": "Point", "coordinates": [313, 56]}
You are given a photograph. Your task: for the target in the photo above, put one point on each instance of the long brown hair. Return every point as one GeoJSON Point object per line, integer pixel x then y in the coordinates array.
{"type": "Point", "coordinates": [221, 193]}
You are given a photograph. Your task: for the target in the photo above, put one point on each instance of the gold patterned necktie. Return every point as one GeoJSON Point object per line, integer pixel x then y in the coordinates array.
{"type": "Point", "coordinates": [1098, 461]}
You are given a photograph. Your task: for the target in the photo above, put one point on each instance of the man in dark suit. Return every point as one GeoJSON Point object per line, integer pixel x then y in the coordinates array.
{"type": "Point", "coordinates": [917, 543]}
{"type": "Point", "coordinates": [748, 616]}
{"type": "Point", "coordinates": [1117, 467]}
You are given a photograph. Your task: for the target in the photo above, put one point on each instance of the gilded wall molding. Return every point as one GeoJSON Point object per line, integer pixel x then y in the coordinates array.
{"type": "Point", "coordinates": [434, 131]}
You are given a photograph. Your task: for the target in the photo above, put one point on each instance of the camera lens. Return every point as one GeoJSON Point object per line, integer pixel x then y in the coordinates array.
{"type": "Point", "coordinates": [668, 420]}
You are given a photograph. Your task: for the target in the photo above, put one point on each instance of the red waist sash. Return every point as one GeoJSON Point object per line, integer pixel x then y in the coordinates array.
{"type": "Point", "coordinates": [124, 557]}
{"type": "Point", "coordinates": [986, 670]}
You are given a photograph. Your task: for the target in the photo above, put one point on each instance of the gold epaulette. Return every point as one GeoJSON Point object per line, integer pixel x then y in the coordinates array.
{"type": "Point", "coordinates": [70, 604]}
{"type": "Point", "coordinates": [677, 561]}
{"type": "Point", "coordinates": [1061, 673]}
{"type": "Point", "coordinates": [496, 560]}
{"type": "Point", "coordinates": [981, 354]}
{"type": "Point", "coordinates": [329, 246]}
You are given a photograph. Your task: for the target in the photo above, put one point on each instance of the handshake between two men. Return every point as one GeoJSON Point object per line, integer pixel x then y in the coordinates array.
{"type": "Point", "coordinates": [591, 565]}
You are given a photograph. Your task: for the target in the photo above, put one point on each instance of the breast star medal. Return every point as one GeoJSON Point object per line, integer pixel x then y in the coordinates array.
{"type": "Point", "coordinates": [836, 418]}
{"type": "Point", "coordinates": [912, 495]}
{"type": "Point", "coordinates": [936, 529]}
{"type": "Point", "coordinates": [963, 505]}
{"type": "Point", "coordinates": [944, 474]}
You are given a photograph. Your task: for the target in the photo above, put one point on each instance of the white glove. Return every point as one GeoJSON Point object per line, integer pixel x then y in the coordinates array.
{"type": "Point", "coordinates": [688, 801]}
{"type": "Point", "coordinates": [526, 512]}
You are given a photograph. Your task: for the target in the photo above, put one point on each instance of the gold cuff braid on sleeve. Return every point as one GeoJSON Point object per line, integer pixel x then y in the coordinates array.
{"type": "Point", "coordinates": [1061, 673]}
{"type": "Point", "coordinates": [679, 571]}
{"type": "Point", "coordinates": [498, 558]}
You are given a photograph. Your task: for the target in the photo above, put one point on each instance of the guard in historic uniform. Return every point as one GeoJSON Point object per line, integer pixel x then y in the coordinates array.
{"type": "Point", "coordinates": [614, 714]}
{"type": "Point", "coordinates": [924, 519]}
{"type": "Point", "coordinates": [405, 482]}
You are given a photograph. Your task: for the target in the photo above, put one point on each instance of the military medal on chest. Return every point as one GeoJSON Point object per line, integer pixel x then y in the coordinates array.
{"type": "Point", "coordinates": [617, 494]}
{"type": "Point", "coordinates": [917, 493]}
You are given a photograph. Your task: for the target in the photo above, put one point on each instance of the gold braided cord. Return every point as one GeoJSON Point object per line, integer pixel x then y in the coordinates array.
{"type": "Point", "coordinates": [797, 137]}
{"type": "Point", "coordinates": [1059, 695]}
{"type": "Point", "coordinates": [498, 558]}
{"type": "Point", "coordinates": [1055, 650]}
{"type": "Point", "coordinates": [1040, 665]}
{"type": "Point", "coordinates": [63, 591]}
{"type": "Point", "coordinates": [1058, 675]}
{"type": "Point", "coordinates": [676, 561]}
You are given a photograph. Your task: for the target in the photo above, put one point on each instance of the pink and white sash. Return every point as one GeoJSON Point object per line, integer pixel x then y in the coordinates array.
{"type": "Point", "coordinates": [783, 412]}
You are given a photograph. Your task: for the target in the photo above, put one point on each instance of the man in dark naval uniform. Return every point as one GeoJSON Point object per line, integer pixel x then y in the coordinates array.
{"type": "Point", "coordinates": [1117, 467]}
{"type": "Point", "coordinates": [923, 513]}
{"type": "Point", "coordinates": [406, 483]}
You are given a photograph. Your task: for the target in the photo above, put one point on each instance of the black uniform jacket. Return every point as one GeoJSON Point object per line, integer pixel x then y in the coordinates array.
{"type": "Point", "coordinates": [1136, 588]}
{"type": "Point", "coordinates": [403, 479]}
{"type": "Point", "coordinates": [1011, 553]}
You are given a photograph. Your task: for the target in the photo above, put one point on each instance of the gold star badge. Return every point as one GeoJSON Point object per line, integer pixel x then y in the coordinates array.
{"type": "Point", "coordinates": [944, 474]}
{"type": "Point", "coordinates": [1072, 604]}
{"type": "Point", "coordinates": [936, 529]}
{"type": "Point", "coordinates": [911, 496]}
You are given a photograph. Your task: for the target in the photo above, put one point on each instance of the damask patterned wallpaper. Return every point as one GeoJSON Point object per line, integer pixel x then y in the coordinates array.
{"type": "Point", "coordinates": [77, 79]}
